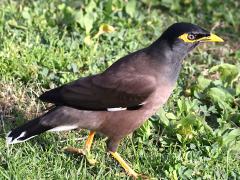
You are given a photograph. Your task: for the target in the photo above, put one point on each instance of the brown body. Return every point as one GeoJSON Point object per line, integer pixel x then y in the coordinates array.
{"type": "Point", "coordinates": [125, 121]}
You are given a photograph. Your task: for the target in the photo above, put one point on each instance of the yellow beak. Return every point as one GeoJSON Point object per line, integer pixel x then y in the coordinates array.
{"type": "Point", "coordinates": [212, 38]}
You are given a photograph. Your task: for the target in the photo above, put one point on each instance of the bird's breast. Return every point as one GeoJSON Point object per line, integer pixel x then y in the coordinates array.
{"type": "Point", "coordinates": [161, 95]}
{"type": "Point", "coordinates": [121, 123]}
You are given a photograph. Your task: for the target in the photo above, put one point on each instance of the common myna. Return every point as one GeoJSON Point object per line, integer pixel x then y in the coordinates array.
{"type": "Point", "coordinates": [118, 100]}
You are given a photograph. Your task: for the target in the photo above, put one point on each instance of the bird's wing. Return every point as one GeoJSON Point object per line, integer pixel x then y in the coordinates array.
{"type": "Point", "coordinates": [103, 92]}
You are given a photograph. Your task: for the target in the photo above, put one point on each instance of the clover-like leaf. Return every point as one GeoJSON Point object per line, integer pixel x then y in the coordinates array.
{"type": "Point", "coordinates": [131, 7]}
{"type": "Point", "coordinates": [228, 72]}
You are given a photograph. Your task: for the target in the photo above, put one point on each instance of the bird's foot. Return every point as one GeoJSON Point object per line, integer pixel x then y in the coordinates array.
{"type": "Point", "coordinates": [83, 152]}
{"type": "Point", "coordinates": [75, 150]}
{"type": "Point", "coordinates": [90, 159]}
{"type": "Point", "coordinates": [127, 168]}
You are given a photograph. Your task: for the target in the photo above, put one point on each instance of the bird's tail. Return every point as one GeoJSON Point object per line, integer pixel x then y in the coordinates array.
{"type": "Point", "coordinates": [26, 131]}
{"type": "Point", "coordinates": [53, 120]}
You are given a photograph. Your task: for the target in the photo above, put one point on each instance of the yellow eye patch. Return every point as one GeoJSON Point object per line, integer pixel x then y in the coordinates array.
{"type": "Point", "coordinates": [190, 38]}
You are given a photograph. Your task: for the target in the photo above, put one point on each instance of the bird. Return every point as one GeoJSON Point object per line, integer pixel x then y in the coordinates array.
{"type": "Point", "coordinates": [120, 99]}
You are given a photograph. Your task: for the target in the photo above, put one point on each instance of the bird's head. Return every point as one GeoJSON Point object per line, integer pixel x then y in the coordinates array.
{"type": "Point", "coordinates": [175, 43]}
{"type": "Point", "coordinates": [186, 36]}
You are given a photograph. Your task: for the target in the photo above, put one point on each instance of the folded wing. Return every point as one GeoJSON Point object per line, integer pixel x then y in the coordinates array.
{"type": "Point", "coordinates": [103, 92]}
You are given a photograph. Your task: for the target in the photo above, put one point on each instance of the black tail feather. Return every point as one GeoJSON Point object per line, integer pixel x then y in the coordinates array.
{"type": "Point", "coordinates": [26, 131]}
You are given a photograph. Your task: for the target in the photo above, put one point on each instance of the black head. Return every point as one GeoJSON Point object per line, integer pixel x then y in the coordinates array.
{"type": "Point", "coordinates": [187, 36]}
{"type": "Point", "coordinates": [175, 43]}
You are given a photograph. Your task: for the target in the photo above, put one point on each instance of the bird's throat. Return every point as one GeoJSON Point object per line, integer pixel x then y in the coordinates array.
{"type": "Point", "coordinates": [168, 62]}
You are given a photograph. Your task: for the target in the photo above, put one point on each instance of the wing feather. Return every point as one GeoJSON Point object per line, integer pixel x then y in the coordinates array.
{"type": "Point", "coordinates": [102, 92]}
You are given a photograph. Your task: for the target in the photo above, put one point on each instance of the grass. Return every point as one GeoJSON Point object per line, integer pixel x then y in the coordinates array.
{"type": "Point", "coordinates": [45, 44]}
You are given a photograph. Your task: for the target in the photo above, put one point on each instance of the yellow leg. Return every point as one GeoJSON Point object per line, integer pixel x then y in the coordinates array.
{"type": "Point", "coordinates": [126, 167]}
{"type": "Point", "coordinates": [89, 141]}
{"type": "Point", "coordinates": [86, 150]}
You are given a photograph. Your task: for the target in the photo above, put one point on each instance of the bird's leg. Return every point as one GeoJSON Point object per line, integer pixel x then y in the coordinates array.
{"type": "Point", "coordinates": [89, 141]}
{"type": "Point", "coordinates": [86, 150]}
{"type": "Point", "coordinates": [125, 166]}
{"type": "Point", "coordinates": [112, 145]}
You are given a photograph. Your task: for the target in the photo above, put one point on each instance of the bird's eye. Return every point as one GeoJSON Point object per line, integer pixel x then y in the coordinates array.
{"type": "Point", "coordinates": [191, 36]}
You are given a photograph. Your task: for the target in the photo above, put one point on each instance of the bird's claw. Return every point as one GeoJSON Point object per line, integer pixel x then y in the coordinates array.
{"type": "Point", "coordinates": [90, 158]}
{"type": "Point", "coordinates": [75, 150]}
{"type": "Point", "coordinates": [84, 152]}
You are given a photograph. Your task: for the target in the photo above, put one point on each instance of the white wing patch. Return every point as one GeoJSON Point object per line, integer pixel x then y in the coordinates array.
{"type": "Point", "coordinates": [122, 108]}
{"type": "Point", "coordinates": [116, 109]}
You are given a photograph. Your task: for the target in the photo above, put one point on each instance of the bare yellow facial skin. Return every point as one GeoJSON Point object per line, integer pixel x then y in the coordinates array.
{"type": "Point", "coordinates": [211, 38]}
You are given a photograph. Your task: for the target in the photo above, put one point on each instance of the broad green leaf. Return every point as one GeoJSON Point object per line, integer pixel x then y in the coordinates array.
{"type": "Point", "coordinates": [231, 139]}
{"type": "Point", "coordinates": [80, 18]}
{"type": "Point", "coordinates": [89, 8]}
{"type": "Point", "coordinates": [108, 7]}
{"type": "Point", "coordinates": [162, 116]}
{"type": "Point", "coordinates": [74, 67]}
{"type": "Point", "coordinates": [145, 130]}
{"type": "Point", "coordinates": [26, 14]}
{"type": "Point", "coordinates": [61, 6]}
{"type": "Point", "coordinates": [131, 7]}
{"type": "Point", "coordinates": [171, 116]}
{"type": "Point", "coordinates": [181, 106]}
{"type": "Point", "coordinates": [88, 21]}
{"type": "Point", "coordinates": [203, 83]}
{"type": "Point", "coordinates": [219, 94]}
{"type": "Point", "coordinates": [179, 137]}
{"type": "Point", "coordinates": [228, 72]}
{"type": "Point", "coordinates": [238, 89]}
